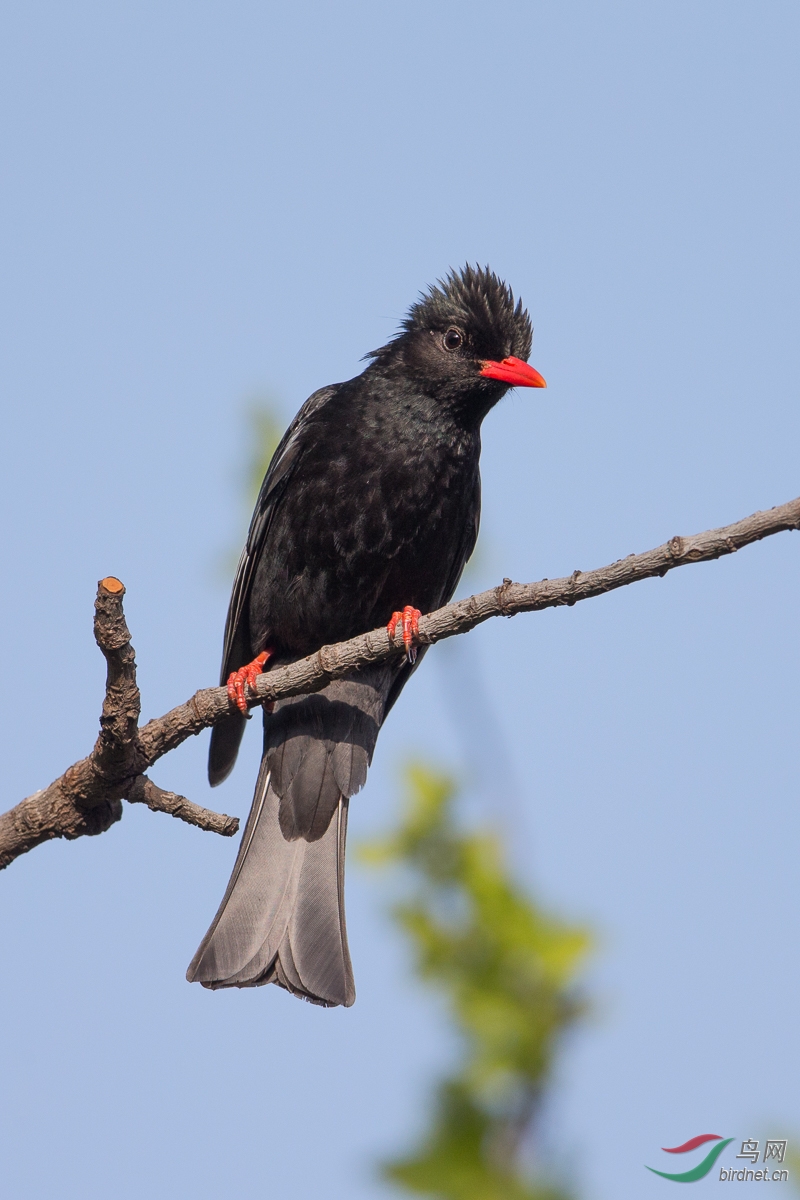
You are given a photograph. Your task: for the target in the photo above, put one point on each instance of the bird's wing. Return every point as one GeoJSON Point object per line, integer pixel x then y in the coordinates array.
{"type": "Point", "coordinates": [236, 649]}
{"type": "Point", "coordinates": [227, 734]}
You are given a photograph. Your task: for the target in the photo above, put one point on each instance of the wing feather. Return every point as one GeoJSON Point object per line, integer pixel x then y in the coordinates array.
{"type": "Point", "coordinates": [237, 647]}
{"type": "Point", "coordinates": [282, 467]}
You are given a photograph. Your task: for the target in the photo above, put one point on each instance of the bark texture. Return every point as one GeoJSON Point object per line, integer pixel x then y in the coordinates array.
{"type": "Point", "coordinates": [87, 798]}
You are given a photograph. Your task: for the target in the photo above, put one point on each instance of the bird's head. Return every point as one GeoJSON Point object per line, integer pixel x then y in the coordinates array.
{"type": "Point", "coordinates": [465, 341]}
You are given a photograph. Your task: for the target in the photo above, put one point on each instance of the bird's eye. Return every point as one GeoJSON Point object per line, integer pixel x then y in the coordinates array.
{"type": "Point", "coordinates": [453, 339]}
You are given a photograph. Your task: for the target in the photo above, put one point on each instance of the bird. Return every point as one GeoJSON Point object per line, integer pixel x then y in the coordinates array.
{"type": "Point", "coordinates": [367, 515]}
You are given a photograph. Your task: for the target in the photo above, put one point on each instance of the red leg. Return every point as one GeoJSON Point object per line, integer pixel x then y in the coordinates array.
{"type": "Point", "coordinates": [409, 619]}
{"type": "Point", "coordinates": [246, 677]}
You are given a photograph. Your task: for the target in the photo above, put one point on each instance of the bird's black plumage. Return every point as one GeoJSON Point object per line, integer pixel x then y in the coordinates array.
{"type": "Point", "coordinates": [371, 502]}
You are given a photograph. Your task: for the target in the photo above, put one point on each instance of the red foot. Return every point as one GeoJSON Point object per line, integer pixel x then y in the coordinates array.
{"type": "Point", "coordinates": [246, 677]}
{"type": "Point", "coordinates": [409, 619]}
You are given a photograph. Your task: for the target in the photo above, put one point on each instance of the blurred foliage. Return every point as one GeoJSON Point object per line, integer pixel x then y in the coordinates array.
{"type": "Point", "coordinates": [265, 432]}
{"type": "Point", "coordinates": [507, 972]}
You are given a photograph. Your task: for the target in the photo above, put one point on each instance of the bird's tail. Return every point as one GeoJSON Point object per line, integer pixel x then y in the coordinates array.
{"type": "Point", "coordinates": [282, 917]}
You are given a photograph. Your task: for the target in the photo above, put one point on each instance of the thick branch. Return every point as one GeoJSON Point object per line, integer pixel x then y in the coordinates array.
{"type": "Point", "coordinates": [51, 813]}
{"type": "Point", "coordinates": [86, 798]}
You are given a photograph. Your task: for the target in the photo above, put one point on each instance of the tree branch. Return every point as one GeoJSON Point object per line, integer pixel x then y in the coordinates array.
{"type": "Point", "coordinates": [144, 791]}
{"type": "Point", "coordinates": [86, 799]}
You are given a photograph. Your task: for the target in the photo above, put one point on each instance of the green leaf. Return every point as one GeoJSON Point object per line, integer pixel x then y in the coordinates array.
{"type": "Point", "coordinates": [507, 971]}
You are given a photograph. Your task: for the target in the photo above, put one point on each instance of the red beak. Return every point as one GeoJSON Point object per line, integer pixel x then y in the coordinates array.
{"type": "Point", "coordinates": [513, 371]}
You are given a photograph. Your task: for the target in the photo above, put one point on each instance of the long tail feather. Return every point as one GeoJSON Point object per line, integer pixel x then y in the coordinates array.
{"type": "Point", "coordinates": [282, 917]}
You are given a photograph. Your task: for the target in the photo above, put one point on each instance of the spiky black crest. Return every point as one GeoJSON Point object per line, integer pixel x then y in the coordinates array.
{"type": "Point", "coordinates": [474, 295]}
{"type": "Point", "coordinates": [476, 299]}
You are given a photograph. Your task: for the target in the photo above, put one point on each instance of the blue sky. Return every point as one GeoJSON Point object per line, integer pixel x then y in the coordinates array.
{"type": "Point", "coordinates": [204, 203]}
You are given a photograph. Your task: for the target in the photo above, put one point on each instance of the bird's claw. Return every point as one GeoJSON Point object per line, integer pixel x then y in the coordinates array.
{"type": "Point", "coordinates": [409, 620]}
{"type": "Point", "coordinates": [244, 678]}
